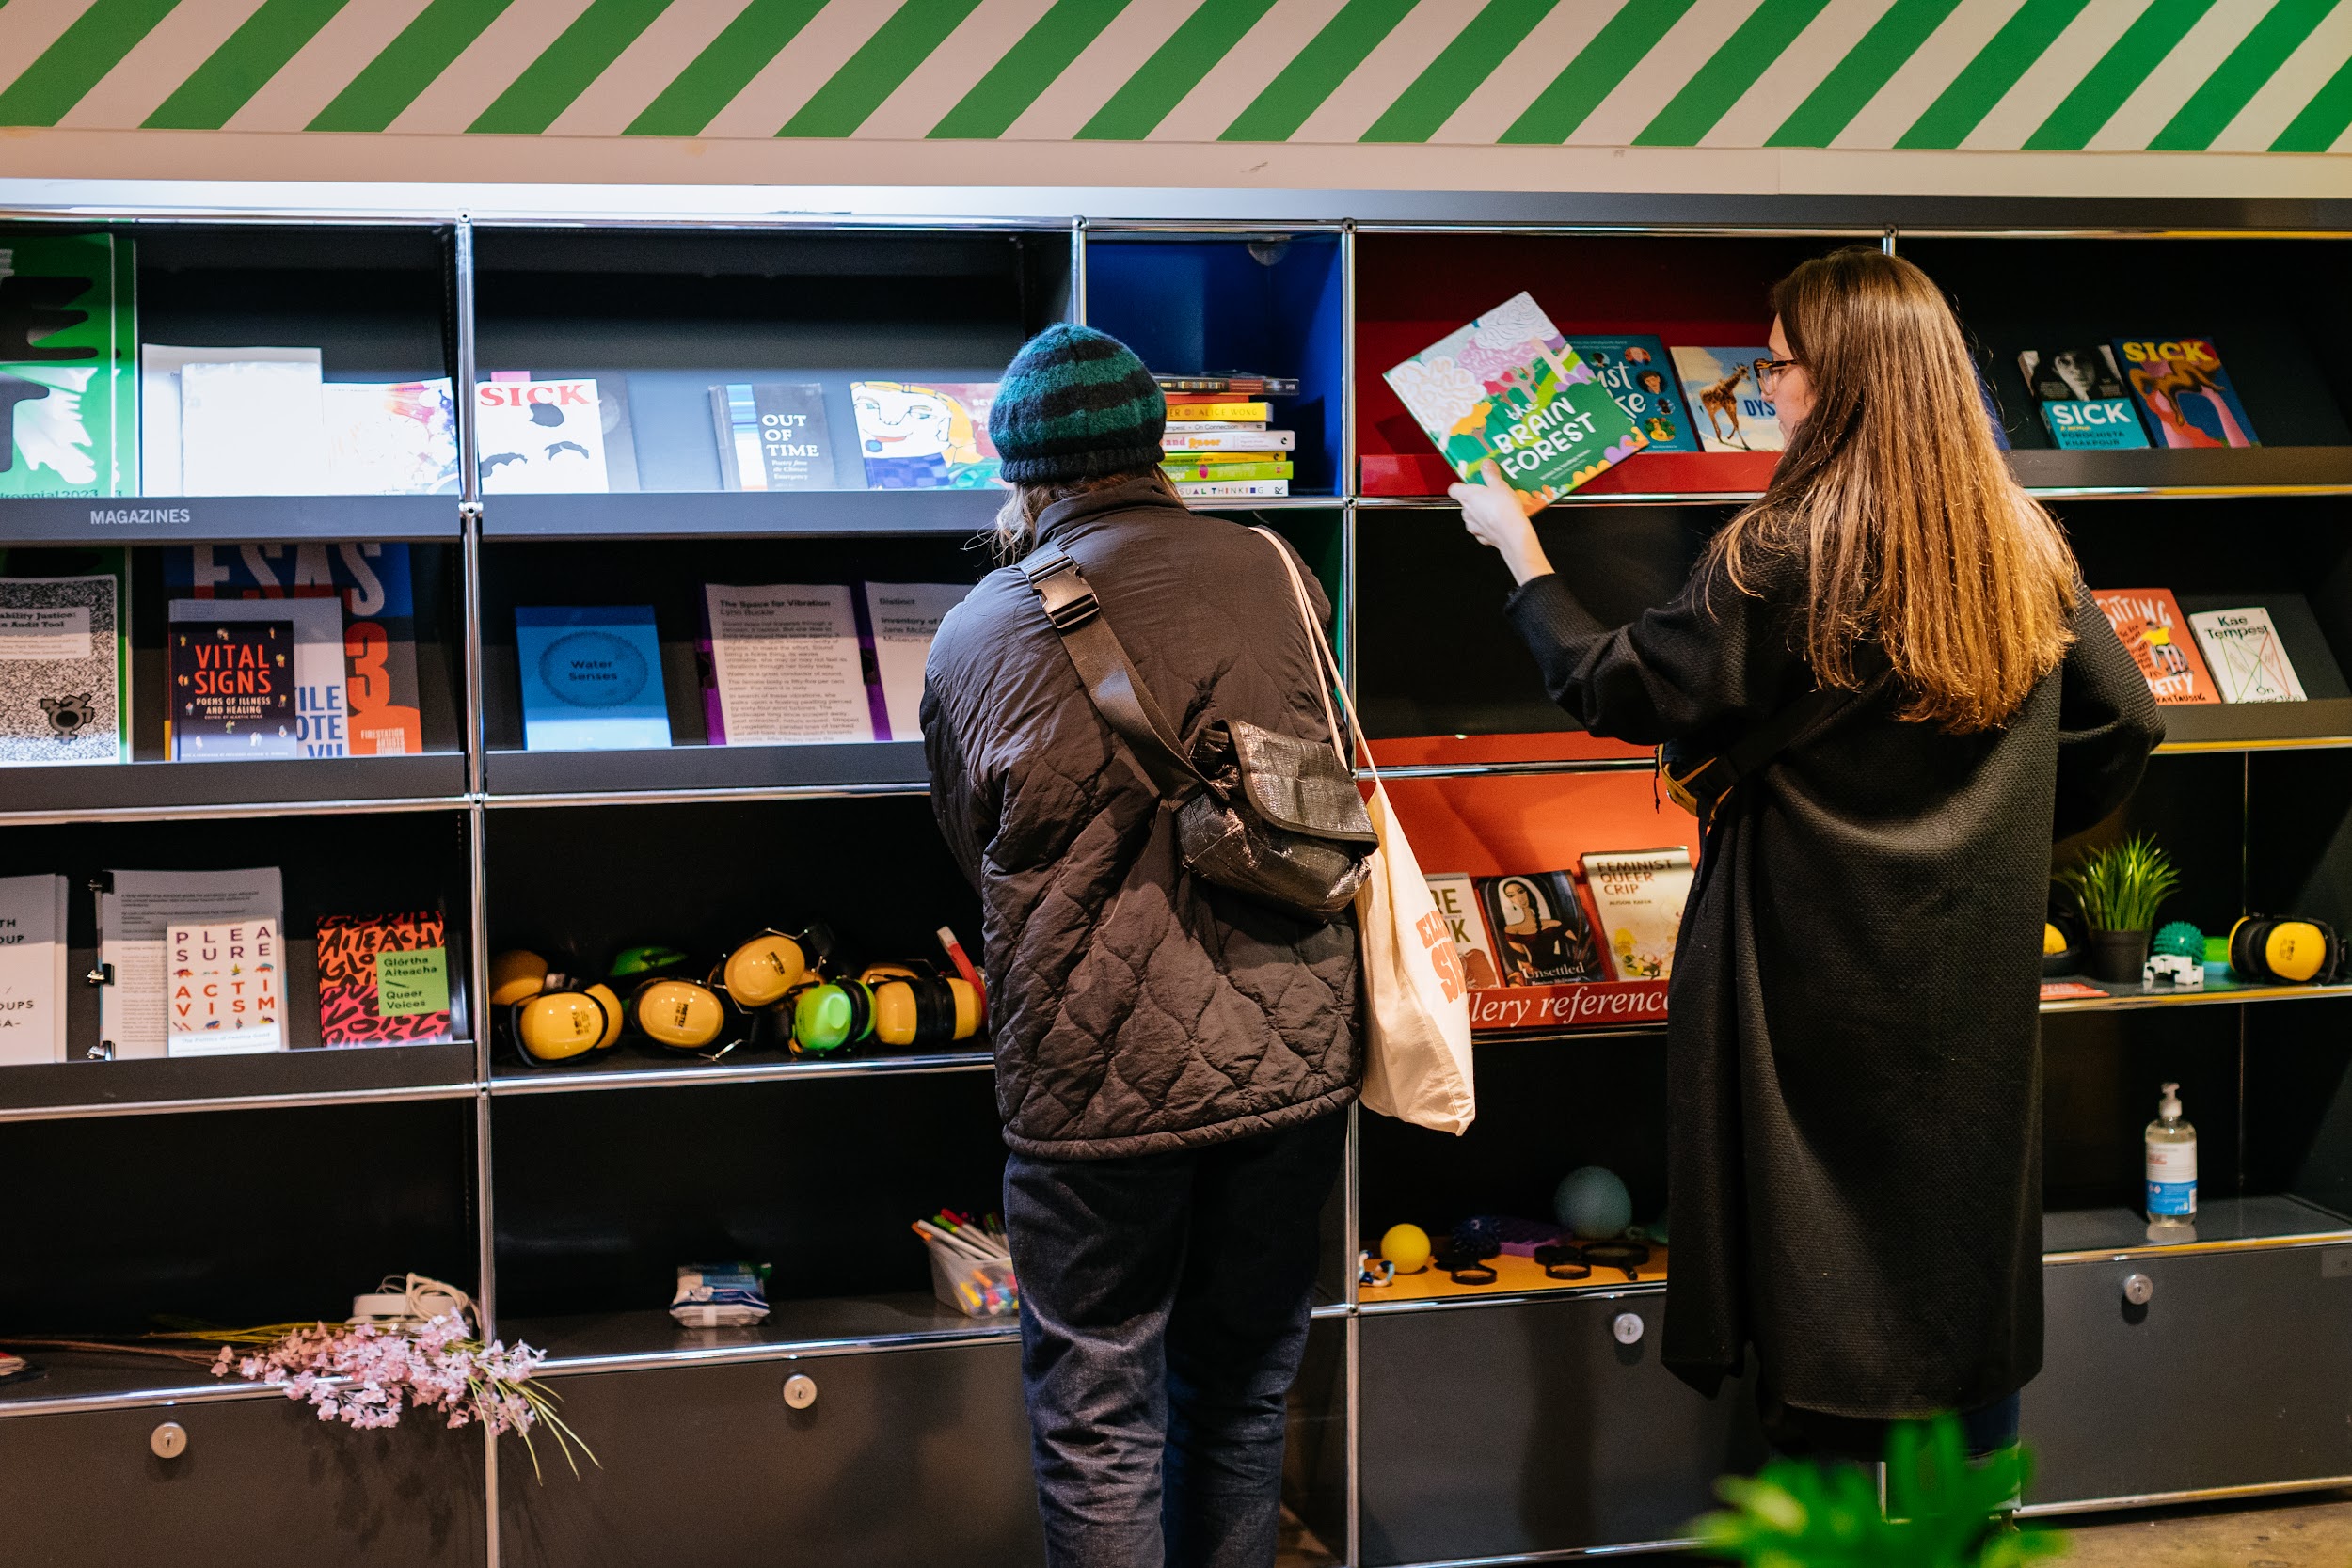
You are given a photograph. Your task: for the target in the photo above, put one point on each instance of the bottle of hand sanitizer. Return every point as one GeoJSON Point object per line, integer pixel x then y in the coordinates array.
{"type": "Point", "coordinates": [2171, 1145]}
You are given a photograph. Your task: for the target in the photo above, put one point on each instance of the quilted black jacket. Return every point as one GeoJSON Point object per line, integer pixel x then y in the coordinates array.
{"type": "Point", "coordinates": [1135, 1009]}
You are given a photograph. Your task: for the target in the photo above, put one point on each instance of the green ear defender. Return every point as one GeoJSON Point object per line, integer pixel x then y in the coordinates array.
{"type": "Point", "coordinates": [830, 1015]}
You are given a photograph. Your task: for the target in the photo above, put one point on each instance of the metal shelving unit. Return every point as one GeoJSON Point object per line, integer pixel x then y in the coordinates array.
{"type": "Point", "coordinates": [485, 785]}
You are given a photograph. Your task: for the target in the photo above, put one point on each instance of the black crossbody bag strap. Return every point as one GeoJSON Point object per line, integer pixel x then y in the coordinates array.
{"type": "Point", "coordinates": [1704, 787]}
{"type": "Point", "coordinates": [1109, 675]}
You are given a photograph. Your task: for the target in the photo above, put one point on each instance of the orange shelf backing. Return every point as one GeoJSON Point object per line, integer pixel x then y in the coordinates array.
{"type": "Point", "coordinates": [1514, 1276]}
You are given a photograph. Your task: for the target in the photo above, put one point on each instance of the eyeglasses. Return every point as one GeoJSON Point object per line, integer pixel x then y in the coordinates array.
{"type": "Point", "coordinates": [1769, 370]}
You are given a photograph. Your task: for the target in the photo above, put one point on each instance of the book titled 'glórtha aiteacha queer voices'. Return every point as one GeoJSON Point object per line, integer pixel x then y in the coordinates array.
{"type": "Point", "coordinates": [1508, 387]}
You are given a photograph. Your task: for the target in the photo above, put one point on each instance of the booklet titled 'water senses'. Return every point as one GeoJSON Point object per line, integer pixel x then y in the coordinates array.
{"type": "Point", "coordinates": [591, 677]}
{"type": "Point", "coordinates": [1508, 387]}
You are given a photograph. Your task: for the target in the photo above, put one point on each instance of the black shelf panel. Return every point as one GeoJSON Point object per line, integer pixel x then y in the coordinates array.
{"type": "Point", "coordinates": [2253, 726]}
{"type": "Point", "coordinates": [184, 519]}
{"type": "Point", "coordinates": [319, 1073]}
{"type": "Point", "coordinates": [609, 1341]}
{"type": "Point", "coordinates": [893, 765]}
{"type": "Point", "coordinates": [161, 787]}
{"type": "Point", "coordinates": [720, 512]}
{"type": "Point", "coordinates": [2047, 470]}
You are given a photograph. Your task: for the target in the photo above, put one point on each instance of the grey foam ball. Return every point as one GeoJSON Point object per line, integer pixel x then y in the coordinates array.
{"type": "Point", "coordinates": [1593, 1203]}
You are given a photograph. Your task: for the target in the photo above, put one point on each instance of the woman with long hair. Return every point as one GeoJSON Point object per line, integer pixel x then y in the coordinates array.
{"type": "Point", "coordinates": [1889, 690]}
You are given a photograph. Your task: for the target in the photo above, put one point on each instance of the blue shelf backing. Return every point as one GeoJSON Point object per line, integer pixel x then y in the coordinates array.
{"type": "Point", "coordinates": [1190, 305]}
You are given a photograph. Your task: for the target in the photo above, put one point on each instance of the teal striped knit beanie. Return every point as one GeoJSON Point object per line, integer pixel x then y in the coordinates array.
{"type": "Point", "coordinates": [1076, 402]}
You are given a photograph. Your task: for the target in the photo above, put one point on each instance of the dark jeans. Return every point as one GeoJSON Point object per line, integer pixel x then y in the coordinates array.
{"type": "Point", "coordinates": [1163, 1302]}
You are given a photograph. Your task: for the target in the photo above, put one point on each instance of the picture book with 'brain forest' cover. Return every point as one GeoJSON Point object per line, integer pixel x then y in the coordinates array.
{"type": "Point", "coordinates": [2186, 395]}
{"type": "Point", "coordinates": [2157, 635]}
{"type": "Point", "coordinates": [1508, 387]}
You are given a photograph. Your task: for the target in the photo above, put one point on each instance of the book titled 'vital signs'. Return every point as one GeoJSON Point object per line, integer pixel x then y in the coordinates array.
{"type": "Point", "coordinates": [1508, 387]}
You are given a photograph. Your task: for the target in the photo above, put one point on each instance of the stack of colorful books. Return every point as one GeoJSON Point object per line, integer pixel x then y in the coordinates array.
{"type": "Point", "coordinates": [1218, 446]}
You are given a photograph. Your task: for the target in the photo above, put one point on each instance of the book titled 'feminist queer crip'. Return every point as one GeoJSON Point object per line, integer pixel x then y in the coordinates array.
{"type": "Point", "coordinates": [1508, 386]}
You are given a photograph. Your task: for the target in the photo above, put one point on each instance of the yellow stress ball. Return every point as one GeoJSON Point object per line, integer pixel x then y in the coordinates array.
{"type": "Point", "coordinates": [1407, 1247]}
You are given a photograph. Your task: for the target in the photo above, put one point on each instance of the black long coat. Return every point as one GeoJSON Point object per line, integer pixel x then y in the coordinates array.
{"type": "Point", "coordinates": [1854, 1047]}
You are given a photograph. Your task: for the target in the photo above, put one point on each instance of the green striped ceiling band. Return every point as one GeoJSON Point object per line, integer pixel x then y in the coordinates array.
{"type": "Point", "coordinates": [2032, 76]}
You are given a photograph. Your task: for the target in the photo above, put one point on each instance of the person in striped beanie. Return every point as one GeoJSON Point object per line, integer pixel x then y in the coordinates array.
{"type": "Point", "coordinates": [1075, 411]}
{"type": "Point", "coordinates": [1174, 1063]}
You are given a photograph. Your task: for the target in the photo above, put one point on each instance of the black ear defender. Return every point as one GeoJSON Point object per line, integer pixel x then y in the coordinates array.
{"type": "Point", "coordinates": [2284, 952]}
{"type": "Point", "coordinates": [552, 1016]}
{"type": "Point", "coordinates": [913, 1006]}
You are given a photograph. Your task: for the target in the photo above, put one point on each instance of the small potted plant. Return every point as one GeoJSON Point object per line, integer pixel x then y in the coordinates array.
{"type": "Point", "coordinates": [2118, 889]}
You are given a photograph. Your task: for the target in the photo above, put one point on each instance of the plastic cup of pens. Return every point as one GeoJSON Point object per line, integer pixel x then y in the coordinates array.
{"type": "Point", "coordinates": [971, 1269]}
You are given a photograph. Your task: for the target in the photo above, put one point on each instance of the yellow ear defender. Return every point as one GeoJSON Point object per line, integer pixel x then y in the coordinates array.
{"type": "Point", "coordinates": [2289, 951]}
{"type": "Point", "coordinates": [677, 1015]}
{"type": "Point", "coordinates": [915, 1006]}
{"type": "Point", "coordinates": [553, 1018]}
{"type": "Point", "coordinates": [771, 966]}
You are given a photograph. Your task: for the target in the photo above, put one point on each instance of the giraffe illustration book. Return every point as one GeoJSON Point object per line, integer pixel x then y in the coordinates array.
{"type": "Point", "coordinates": [1724, 387]}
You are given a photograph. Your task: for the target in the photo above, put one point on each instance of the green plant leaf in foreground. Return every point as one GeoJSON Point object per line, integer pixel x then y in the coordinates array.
{"type": "Point", "coordinates": [1943, 1510]}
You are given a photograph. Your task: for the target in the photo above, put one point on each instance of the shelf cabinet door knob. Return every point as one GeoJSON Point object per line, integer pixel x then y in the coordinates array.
{"type": "Point", "coordinates": [800, 1390]}
{"type": "Point", "coordinates": [2137, 1289]}
{"type": "Point", "coordinates": [1628, 1328]}
{"type": "Point", "coordinates": [168, 1441]}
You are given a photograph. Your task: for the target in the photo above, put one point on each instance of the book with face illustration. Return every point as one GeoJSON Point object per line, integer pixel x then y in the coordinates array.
{"type": "Point", "coordinates": [541, 437]}
{"type": "Point", "coordinates": [925, 435]}
{"type": "Point", "coordinates": [2188, 396]}
{"type": "Point", "coordinates": [1640, 376]}
{"type": "Point", "coordinates": [1540, 935]}
{"type": "Point", "coordinates": [2082, 399]}
{"type": "Point", "coordinates": [1723, 389]}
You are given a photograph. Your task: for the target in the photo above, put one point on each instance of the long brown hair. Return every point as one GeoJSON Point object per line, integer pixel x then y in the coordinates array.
{"type": "Point", "coordinates": [1912, 530]}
